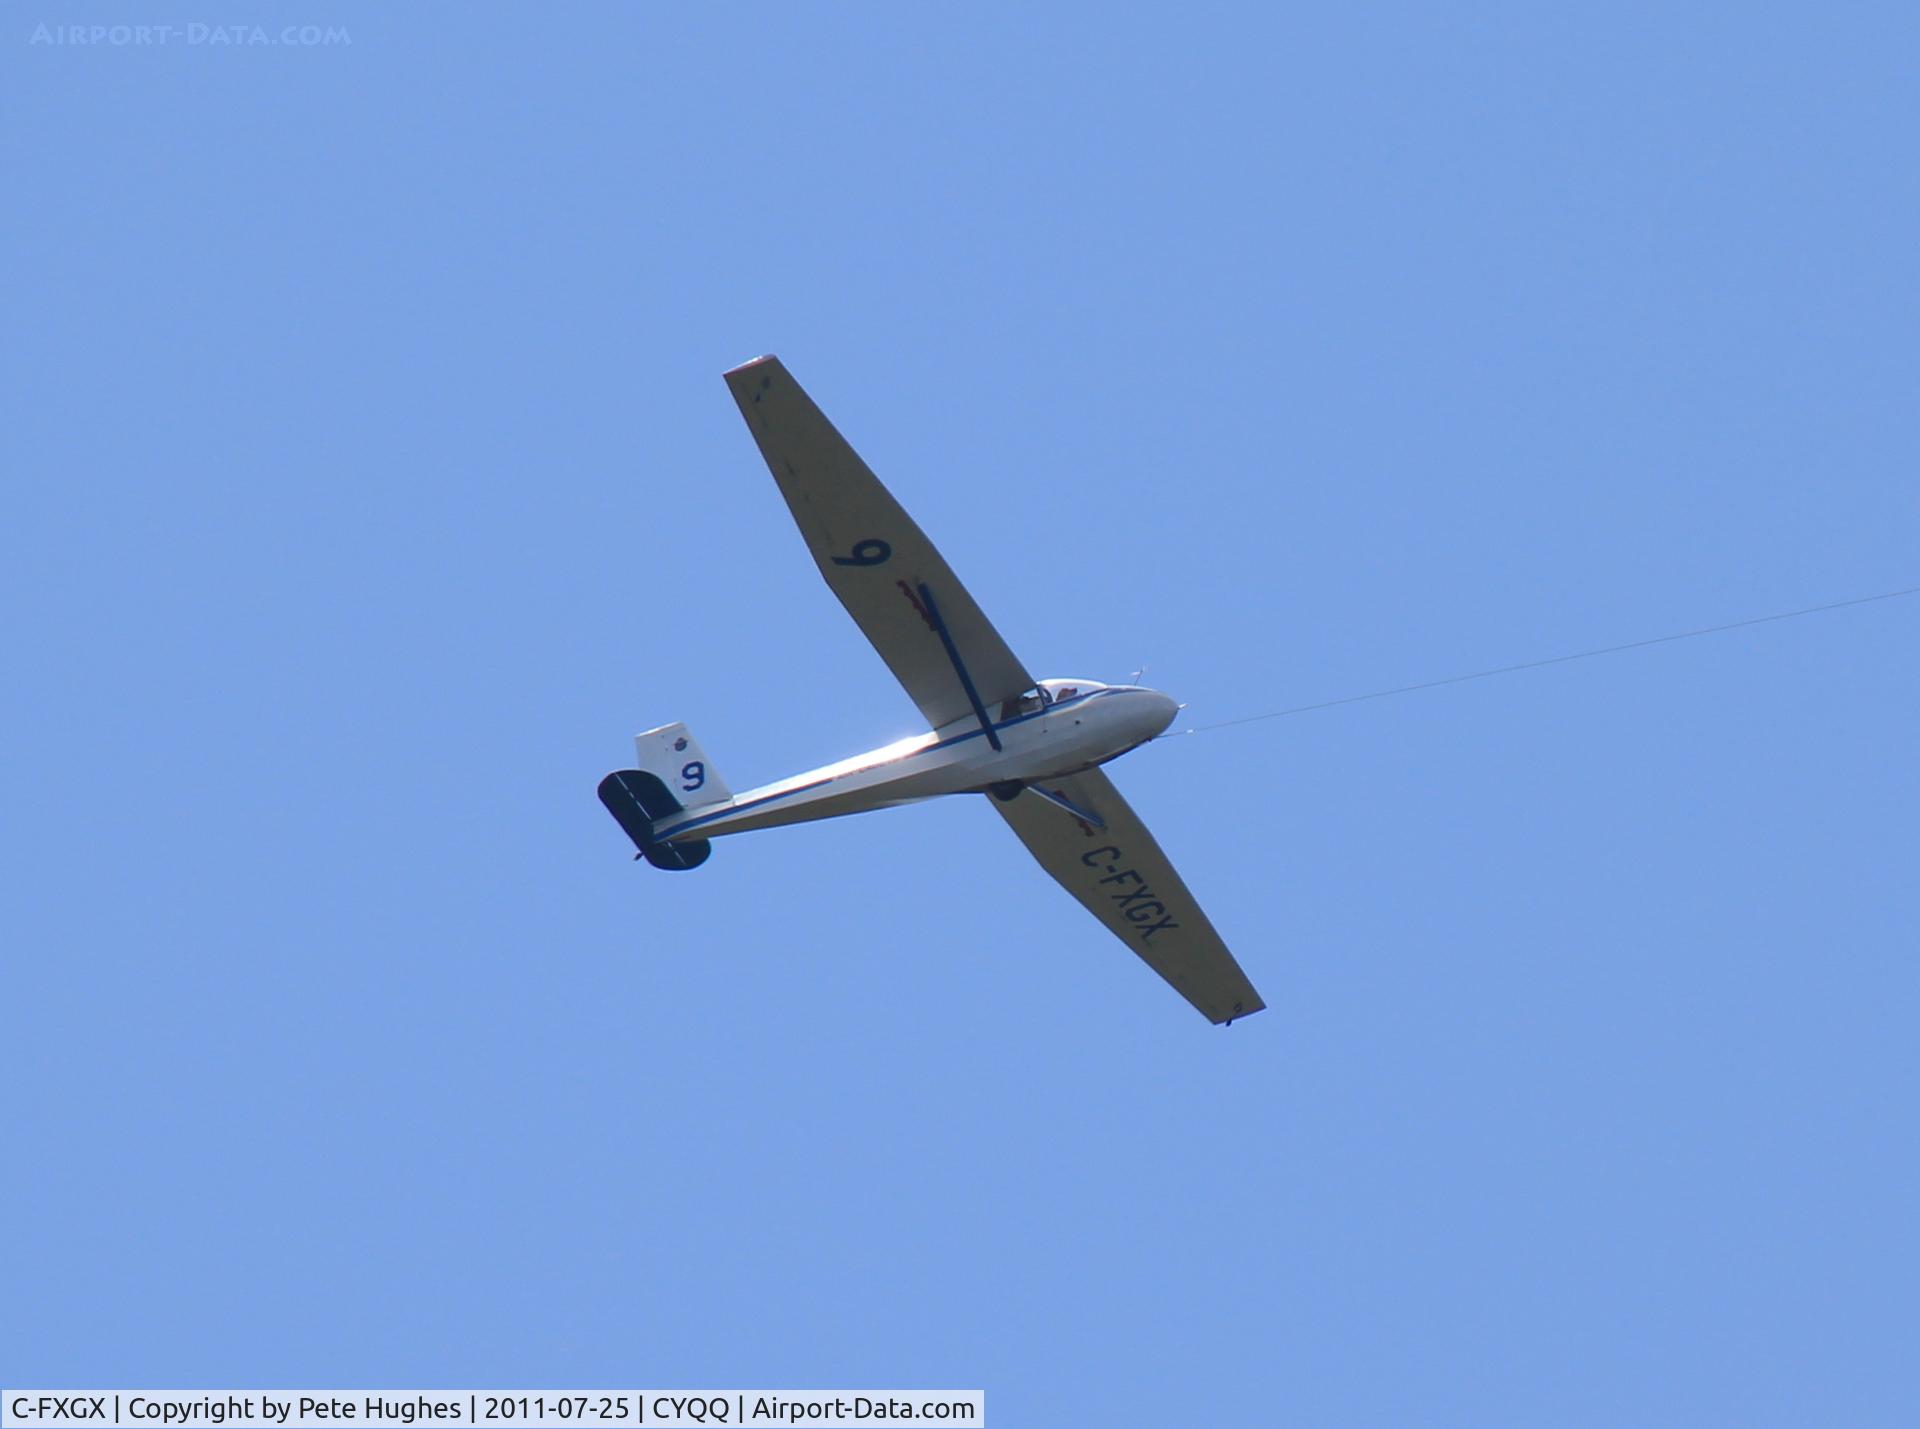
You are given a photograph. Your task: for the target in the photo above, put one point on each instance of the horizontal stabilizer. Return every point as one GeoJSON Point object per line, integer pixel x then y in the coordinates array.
{"type": "Point", "coordinates": [688, 853]}
{"type": "Point", "coordinates": [636, 799]}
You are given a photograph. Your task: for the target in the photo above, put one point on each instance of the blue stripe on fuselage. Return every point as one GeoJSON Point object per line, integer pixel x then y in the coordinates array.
{"type": "Point", "coordinates": [942, 744]}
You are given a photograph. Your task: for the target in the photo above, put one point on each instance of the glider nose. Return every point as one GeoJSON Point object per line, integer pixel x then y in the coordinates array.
{"type": "Point", "coordinates": [1160, 708]}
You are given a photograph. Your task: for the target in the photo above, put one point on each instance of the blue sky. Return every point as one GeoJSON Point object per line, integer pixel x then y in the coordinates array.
{"type": "Point", "coordinates": [371, 481]}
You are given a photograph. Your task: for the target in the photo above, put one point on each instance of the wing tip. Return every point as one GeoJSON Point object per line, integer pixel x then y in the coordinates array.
{"type": "Point", "coordinates": [1246, 1009]}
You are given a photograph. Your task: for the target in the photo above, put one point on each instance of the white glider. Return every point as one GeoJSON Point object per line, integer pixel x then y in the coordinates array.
{"type": "Point", "coordinates": [1033, 746]}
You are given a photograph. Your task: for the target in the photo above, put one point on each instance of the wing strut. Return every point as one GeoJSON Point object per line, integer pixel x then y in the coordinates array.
{"type": "Point", "coordinates": [1054, 796]}
{"type": "Point", "coordinates": [959, 665]}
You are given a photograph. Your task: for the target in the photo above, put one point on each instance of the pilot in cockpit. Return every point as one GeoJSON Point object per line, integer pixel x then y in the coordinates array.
{"type": "Point", "coordinates": [1031, 702]}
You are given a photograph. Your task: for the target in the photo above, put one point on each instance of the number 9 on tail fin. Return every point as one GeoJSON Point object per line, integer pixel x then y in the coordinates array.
{"type": "Point", "coordinates": [670, 754]}
{"type": "Point", "coordinates": [674, 774]}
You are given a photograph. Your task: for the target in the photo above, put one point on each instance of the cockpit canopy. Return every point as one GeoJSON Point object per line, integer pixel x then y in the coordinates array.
{"type": "Point", "coordinates": [1047, 692]}
{"type": "Point", "coordinates": [1067, 689]}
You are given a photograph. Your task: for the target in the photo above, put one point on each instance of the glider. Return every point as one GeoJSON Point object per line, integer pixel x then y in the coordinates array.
{"type": "Point", "coordinates": [1034, 747]}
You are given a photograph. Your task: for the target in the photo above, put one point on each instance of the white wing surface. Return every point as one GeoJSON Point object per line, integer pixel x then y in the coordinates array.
{"type": "Point", "coordinates": [885, 571]}
{"type": "Point", "coordinates": [1120, 874]}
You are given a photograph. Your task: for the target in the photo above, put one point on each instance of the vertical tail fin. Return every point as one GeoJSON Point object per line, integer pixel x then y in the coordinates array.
{"type": "Point", "coordinates": [670, 754]}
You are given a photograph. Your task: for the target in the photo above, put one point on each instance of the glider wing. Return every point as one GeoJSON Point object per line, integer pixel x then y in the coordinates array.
{"type": "Point", "coordinates": [885, 571]}
{"type": "Point", "coordinates": [1119, 873]}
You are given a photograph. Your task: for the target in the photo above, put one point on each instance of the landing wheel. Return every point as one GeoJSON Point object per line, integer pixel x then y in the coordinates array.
{"type": "Point", "coordinates": [1006, 791]}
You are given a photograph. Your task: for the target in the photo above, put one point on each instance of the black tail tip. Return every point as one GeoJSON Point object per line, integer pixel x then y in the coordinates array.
{"type": "Point", "coordinates": [678, 857]}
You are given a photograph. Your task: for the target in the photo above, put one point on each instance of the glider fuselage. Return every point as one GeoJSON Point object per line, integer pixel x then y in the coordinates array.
{"type": "Point", "coordinates": [1070, 725]}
